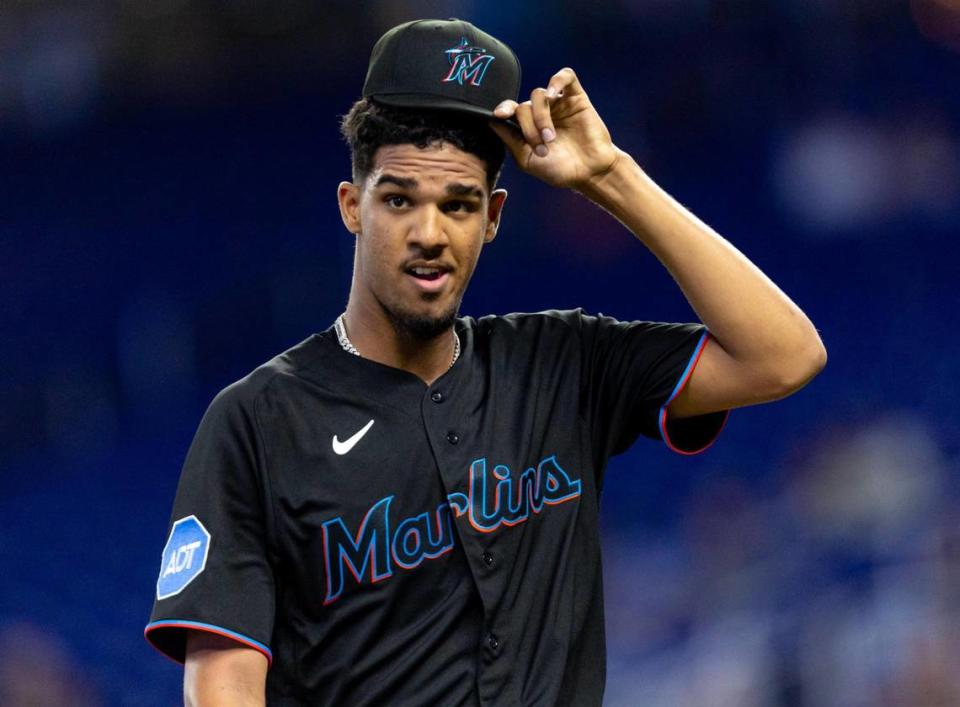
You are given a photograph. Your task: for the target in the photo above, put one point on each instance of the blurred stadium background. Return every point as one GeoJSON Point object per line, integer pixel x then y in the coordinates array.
{"type": "Point", "coordinates": [168, 222]}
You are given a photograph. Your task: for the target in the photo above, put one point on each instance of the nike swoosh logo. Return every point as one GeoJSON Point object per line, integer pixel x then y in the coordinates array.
{"type": "Point", "coordinates": [348, 444]}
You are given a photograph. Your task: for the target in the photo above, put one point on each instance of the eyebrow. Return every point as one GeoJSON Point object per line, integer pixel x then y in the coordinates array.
{"type": "Point", "coordinates": [452, 189]}
{"type": "Point", "coordinates": [403, 182]}
{"type": "Point", "coordinates": [463, 190]}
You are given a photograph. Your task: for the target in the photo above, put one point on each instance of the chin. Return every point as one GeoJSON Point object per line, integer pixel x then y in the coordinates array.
{"type": "Point", "coordinates": [423, 325]}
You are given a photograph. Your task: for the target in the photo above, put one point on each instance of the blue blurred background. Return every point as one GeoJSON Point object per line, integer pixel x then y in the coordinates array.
{"type": "Point", "coordinates": [168, 222]}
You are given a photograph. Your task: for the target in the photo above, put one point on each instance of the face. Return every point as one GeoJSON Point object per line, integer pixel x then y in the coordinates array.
{"type": "Point", "coordinates": [421, 218]}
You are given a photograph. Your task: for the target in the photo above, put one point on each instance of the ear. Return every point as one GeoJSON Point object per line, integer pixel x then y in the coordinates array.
{"type": "Point", "coordinates": [348, 196]}
{"type": "Point", "coordinates": [494, 209]}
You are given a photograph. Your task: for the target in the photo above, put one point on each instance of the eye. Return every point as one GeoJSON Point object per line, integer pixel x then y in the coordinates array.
{"type": "Point", "coordinates": [396, 201]}
{"type": "Point", "coordinates": [458, 206]}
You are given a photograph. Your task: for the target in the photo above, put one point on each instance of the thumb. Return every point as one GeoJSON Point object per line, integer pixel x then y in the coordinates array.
{"type": "Point", "coordinates": [511, 137]}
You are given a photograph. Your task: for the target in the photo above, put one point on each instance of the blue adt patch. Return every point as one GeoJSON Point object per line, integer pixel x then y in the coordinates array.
{"type": "Point", "coordinates": [184, 556]}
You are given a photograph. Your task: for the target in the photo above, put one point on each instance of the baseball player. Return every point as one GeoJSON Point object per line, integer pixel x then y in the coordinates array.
{"type": "Point", "coordinates": [403, 508]}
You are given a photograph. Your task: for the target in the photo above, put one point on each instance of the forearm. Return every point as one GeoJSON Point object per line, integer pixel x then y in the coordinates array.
{"type": "Point", "coordinates": [205, 694]}
{"type": "Point", "coordinates": [218, 672]}
{"type": "Point", "coordinates": [747, 314]}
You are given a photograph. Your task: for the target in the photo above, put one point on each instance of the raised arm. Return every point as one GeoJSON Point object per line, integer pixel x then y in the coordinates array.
{"type": "Point", "coordinates": [762, 347]}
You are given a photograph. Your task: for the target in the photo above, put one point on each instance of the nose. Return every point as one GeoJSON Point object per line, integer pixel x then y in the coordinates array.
{"type": "Point", "coordinates": [427, 229]}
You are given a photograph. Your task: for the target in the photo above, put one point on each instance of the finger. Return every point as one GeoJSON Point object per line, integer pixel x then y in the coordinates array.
{"type": "Point", "coordinates": [511, 137]}
{"type": "Point", "coordinates": [564, 83]}
{"type": "Point", "coordinates": [505, 109]}
{"type": "Point", "coordinates": [524, 118]}
{"type": "Point", "coordinates": [541, 114]}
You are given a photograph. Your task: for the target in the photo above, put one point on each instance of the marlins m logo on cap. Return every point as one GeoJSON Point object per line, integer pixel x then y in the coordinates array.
{"type": "Point", "coordinates": [467, 62]}
{"type": "Point", "coordinates": [442, 65]}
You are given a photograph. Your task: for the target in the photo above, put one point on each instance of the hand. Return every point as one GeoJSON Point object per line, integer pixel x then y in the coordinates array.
{"type": "Point", "coordinates": [562, 139]}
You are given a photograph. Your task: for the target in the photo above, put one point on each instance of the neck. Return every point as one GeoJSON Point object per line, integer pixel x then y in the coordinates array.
{"type": "Point", "coordinates": [376, 338]}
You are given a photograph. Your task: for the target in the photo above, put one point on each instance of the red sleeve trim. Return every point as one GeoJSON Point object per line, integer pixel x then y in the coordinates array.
{"type": "Point", "coordinates": [681, 384]}
{"type": "Point", "coordinates": [148, 633]}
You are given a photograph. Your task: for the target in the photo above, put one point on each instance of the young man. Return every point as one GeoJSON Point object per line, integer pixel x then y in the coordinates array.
{"type": "Point", "coordinates": [403, 509]}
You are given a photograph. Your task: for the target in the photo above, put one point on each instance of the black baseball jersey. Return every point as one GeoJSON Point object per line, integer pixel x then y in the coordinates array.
{"type": "Point", "coordinates": [386, 542]}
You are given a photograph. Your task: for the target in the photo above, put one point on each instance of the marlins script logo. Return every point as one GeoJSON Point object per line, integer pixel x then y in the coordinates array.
{"type": "Point", "coordinates": [495, 497]}
{"type": "Point", "coordinates": [467, 63]}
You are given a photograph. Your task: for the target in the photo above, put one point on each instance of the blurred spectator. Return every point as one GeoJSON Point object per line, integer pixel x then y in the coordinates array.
{"type": "Point", "coordinates": [843, 174]}
{"type": "Point", "coordinates": [36, 670]}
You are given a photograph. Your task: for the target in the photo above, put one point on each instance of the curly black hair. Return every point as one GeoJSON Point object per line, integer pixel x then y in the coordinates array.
{"type": "Point", "coordinates": [369, 126]}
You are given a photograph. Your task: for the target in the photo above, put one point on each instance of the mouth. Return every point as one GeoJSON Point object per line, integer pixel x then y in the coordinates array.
{"type": "Point", "coordinates": [429, 278]}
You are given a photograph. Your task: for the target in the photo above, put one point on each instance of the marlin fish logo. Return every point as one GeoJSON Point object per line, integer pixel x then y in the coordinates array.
{"type": "Point", "coordinates": [467, 63]}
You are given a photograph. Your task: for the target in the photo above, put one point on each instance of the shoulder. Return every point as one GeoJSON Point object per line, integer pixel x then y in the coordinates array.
{"type": "Point", "coordinates": [242, 395]}
{"type": "Point", "coordinates": [559, 329]}
{"type": "Point", "coordinates": [566, 324]}
{"type": "Point", "coordinates": [561, 321]}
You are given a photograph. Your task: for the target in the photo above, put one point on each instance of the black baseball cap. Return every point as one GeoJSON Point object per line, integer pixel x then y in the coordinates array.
{"type": "Point", "coordinates": [442, 65]}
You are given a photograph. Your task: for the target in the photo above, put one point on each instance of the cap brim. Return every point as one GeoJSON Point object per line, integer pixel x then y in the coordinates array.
{"type": "Point", "coordinates": [431, 102]}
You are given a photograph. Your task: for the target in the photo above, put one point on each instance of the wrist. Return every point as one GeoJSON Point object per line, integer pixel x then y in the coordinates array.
{"type": "Point", "coordinates": [608, 182]}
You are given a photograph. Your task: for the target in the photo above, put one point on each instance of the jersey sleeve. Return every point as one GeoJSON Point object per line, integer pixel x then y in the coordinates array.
{"type": "Point", "coordinates": [215, 574]}
{"type": "Point", "coordinates": [633, 371]}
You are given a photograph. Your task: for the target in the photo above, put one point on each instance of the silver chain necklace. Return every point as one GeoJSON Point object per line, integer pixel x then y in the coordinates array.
{"type": "Point", "coordinates": [348, 346]}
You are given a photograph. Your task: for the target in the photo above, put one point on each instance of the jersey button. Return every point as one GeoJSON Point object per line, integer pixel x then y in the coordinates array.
{"type": "Point", "coordinates": [453, 437]}
{"type": "Point", "coordinates": [493, 641]}
{"type": "Point", "coordinates": [488, 559]}
{"type": "Point", "coordinates": [436, 396]}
